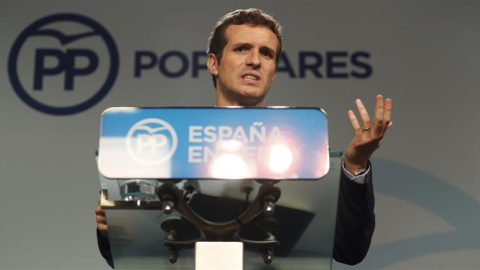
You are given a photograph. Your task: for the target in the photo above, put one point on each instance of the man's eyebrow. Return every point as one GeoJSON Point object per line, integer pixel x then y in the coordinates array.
{"type": "Point", "coordinates": [271, 50]}
{"type": "Point", "coordinates": [268, 48]}
{"type": "Point", "coordinates": [239, 44]}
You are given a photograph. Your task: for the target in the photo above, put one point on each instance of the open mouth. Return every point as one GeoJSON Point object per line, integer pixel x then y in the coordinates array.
{"type": "Point", "coordinates": [251, 77]}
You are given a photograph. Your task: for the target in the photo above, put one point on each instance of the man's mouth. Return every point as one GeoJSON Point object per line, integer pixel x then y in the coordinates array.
{"type": "Point", "coordinates": [251, 77]}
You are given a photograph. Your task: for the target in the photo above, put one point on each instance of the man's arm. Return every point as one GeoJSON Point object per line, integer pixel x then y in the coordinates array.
{"type": "Point", "coordinates": [102, 235]}
{"type": "Point", "coordinates": [355, 220]}
{"type": "Point", "coordinates": [356, 201]}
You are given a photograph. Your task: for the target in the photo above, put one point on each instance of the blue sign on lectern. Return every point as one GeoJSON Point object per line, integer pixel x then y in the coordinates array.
{"type": "Point", "coordinates": [214, 143]}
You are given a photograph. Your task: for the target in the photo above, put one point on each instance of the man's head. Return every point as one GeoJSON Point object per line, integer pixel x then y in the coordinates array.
{"type": "Point", "coordinates": [243, 51]}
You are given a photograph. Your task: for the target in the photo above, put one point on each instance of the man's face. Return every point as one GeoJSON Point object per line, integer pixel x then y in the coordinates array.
{"type": "Point", "coordinates": [247, 66]}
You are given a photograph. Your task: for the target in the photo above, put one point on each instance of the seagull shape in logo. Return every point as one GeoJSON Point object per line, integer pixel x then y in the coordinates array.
{"type": "Point", "coordinates": [151, 130]}
{"type": "Point", "coordinates": [63, 38]}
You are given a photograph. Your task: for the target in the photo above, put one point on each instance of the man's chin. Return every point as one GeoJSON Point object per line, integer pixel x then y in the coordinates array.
{"type": "Point", "coordinates": [251, 91]}
{"type": "Point", "coordinates": [244, 96]}
{"type": "Point", "coordinates": [251, 99]}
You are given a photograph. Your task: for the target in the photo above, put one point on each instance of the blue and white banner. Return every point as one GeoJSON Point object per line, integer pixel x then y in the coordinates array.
{"type": "Point", "coordinates": [200, 143]}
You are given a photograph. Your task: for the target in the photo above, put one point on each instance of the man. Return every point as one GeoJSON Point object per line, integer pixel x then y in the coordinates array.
{"type": "Point", "coordinates": [243, 53]}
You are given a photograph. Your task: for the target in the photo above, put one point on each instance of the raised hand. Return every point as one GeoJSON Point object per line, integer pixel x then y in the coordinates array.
{"type": "Point", "coordinates": [367, 135]}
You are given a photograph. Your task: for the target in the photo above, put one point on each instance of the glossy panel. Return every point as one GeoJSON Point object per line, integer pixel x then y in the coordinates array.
{"type": "Point", "coordinates": [214, 143]}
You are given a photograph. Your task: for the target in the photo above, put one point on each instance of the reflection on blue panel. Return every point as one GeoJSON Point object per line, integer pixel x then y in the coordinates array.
{"type": "Point", "coordinates": [214, 143]}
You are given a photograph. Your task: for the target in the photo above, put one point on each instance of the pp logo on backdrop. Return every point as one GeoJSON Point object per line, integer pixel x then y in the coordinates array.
{"type": "Point", "coordinates": [151, 141]}
{"type": "Point", "coordinates": [63, 64]}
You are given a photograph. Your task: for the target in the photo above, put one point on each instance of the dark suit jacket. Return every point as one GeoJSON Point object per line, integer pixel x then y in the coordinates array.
{"type": "Point", "coordinates": [355, 220]}
{"type": "Point", "coordinates": [354, 227]}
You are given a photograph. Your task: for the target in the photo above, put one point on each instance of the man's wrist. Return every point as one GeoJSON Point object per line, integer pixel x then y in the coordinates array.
{"type": "Point", "coordinates": [355, 169]}
{"type": "Point", "coordinates": [360, 178]}
{"type": "Point", "coordinates": [360, 171]}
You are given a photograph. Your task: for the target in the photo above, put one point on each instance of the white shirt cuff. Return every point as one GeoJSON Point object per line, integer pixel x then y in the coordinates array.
{"type": "Point", "coordinates": [360, 179]}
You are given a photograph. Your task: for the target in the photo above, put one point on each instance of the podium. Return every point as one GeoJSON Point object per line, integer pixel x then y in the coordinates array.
{"type": "Point", "coordinates": [262, 177]}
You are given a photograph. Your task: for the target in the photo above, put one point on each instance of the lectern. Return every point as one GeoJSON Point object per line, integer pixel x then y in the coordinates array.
{"type": "Point", "coordinates": [259, 184]}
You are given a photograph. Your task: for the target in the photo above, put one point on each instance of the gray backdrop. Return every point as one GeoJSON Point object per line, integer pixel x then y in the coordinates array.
{"type": "Point", "coordinates": [422, 54]}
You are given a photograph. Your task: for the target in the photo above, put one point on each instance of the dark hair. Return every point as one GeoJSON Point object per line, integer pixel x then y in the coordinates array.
{"type": "Point", "coordinates": [217, 39]}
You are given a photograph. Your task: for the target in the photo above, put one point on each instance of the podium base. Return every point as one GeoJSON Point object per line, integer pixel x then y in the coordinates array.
{"type": "Point", "coordinates": [219, 256]}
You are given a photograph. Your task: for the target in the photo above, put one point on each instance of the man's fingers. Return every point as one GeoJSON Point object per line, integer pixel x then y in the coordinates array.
{"type": "Point", "coordinates": [363, 114]}
{"type": "Point", "coordinates": [353, 120]}
{"type": "Point", "coordinates": [101, 220]}
{"type": "Point", "coordinates": [103, 228]}
{"type": "Point", "coordinates": [383, 114]}
{"type": "Point", "coordinates": [378, 123]}
{"type": "Point", "coordinates": [379, 108]}
{"type": "Point", "coordinates": [387, 115]}
{"type": "Point", "coordinates": [99, 211]}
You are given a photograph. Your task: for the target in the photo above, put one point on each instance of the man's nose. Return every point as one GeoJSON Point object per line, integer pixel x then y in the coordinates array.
{"type": "Point", "coordinates": [253, 59]}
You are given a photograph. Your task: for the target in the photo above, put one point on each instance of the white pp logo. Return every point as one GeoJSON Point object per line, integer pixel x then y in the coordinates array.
{"type": "Point", "coordinates": [151, 141]}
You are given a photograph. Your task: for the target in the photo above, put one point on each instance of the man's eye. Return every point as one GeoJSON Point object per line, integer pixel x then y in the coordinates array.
{"type": "Point", "coordinates": [240, 49]}
{"type": "Point", "coordinates": [267, 53]}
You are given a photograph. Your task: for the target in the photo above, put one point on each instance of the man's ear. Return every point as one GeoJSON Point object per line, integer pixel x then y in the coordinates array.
{"type": "Point", "coordinates": [212, 64]}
